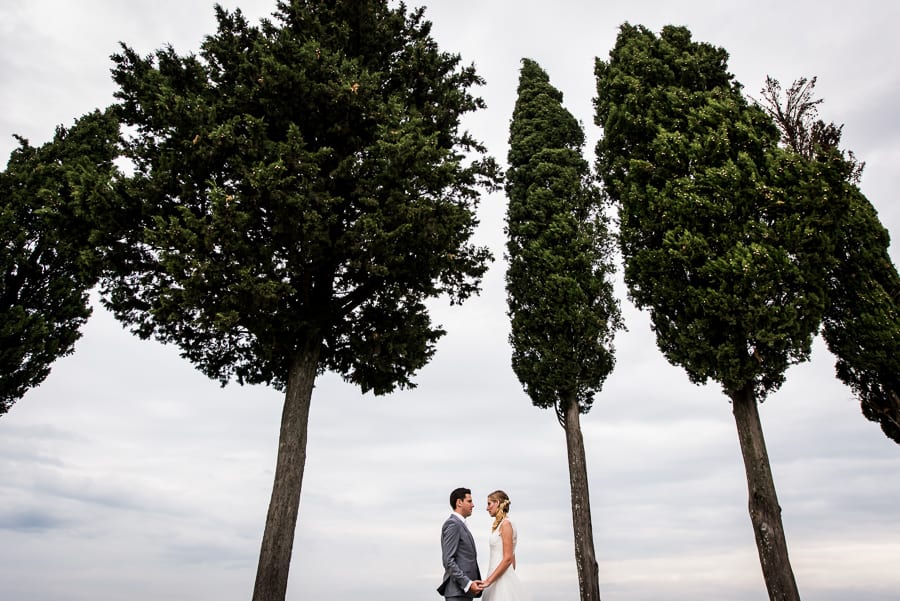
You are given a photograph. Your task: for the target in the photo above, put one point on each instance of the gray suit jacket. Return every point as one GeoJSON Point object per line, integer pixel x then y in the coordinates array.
{"type": "Point", "coordinates": [459, 557]}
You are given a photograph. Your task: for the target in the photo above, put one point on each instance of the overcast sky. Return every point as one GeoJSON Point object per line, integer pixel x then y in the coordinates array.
{"type": "Point", "coordinates": [128, 475]}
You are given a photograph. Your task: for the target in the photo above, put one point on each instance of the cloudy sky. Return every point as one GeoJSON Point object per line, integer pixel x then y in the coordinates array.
{"type": "Point", "coordinates": [129, 475]}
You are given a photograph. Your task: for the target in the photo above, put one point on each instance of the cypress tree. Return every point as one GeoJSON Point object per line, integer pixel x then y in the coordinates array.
{"type": "Point", "coordinates": [561, 304]}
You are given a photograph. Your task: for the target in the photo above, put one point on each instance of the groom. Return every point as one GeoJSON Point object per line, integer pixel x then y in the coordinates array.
{"type": "Point", "coordinates": [462, 580]}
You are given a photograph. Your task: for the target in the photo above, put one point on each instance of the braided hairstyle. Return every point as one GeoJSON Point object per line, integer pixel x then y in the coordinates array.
{"type": "Point", "coordinates": [503, 499]}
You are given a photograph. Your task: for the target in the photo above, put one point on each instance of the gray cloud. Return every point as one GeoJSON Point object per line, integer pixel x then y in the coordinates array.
{"type": "Point", "coordinates": [29, 521]}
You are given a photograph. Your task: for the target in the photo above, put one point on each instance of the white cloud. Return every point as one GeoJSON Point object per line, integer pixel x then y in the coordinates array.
{"type": "Point", "coordinates": [128, 474]}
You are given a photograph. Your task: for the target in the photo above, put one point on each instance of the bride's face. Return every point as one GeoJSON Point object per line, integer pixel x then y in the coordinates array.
{"type": "Point", "coordinates": [492, 507]}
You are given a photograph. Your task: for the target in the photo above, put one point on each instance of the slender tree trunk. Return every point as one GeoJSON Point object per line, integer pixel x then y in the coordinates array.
{"type": "Point", "coordinates": [765, 513]}
{"type": "Point", "coordinates": [586, 560]}
{"type": "Point", "coordinates": [281, 520]}
{"type": "Point", "coordinates": [892, 413]}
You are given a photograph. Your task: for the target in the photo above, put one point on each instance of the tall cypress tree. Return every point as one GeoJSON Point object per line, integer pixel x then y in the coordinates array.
{"type": "Point", "coordinates": [55, 204]}
{"type": "Point", "coordinates": [862, 323]}
{"type": "Point", "coordinates": [306, 187]}
{"type": "Point", "coordinates": [561, 304]}
{"type": "Point", "coordinates": [725, 237]}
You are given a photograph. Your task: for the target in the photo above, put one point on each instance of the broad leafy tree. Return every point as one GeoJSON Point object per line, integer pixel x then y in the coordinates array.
{"type": "Point", "coordinates": [725, 237]}
{"type": "Point", "coordinates": [51, 199]}
{"type": "Point", "coordinates": [862, 323]}
{"type": "Point", "coordinates": [561, 303]}
{"type": "Point", "coordinates": [306, 188]}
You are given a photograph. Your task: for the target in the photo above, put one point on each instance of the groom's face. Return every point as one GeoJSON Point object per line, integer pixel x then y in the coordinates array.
{"type": "Point", "coordinates": [465, 506]}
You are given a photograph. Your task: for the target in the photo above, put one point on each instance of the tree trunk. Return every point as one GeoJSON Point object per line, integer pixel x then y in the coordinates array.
{"type": "Point", "coordinates": [890, 420]}
{"type": "Point", "coordinates": [765, 513]}
{"type": "Point", "coordinates": [588, 576]}
{"type": "Point", "coordinates": [281, 520]}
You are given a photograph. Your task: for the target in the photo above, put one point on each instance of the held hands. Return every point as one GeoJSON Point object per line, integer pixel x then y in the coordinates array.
{"type": "Point", "coordinates": [479, 585]}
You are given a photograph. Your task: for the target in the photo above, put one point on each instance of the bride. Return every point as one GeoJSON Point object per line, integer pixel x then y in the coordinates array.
{"type": "Point", "coordinates": [503, 584]}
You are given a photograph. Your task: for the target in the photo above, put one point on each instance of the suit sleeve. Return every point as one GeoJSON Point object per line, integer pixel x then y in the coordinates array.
{"type": "Point", "coordinates": [450, 534]}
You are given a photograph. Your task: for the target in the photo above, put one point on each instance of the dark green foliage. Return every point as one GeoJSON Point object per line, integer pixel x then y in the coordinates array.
{"type": "Point", "coordinates": [306, 188]}
{"type": "Point", "coordinates": [716, 233]}
{"type": "Point", "coordinates": [862, 322]}
{"type": "Point", "coordinates": [561, 303]}
{"type": "Point", "coordinates": [305, 185]}
{"type": "Point", "coordinates": [726, 237]}
{"type": "Point", "coordinates": [56, 202]}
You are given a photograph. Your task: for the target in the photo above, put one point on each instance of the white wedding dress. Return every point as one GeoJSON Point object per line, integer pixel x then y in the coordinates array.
{"type": "Point", "coordinates": [508, 587]}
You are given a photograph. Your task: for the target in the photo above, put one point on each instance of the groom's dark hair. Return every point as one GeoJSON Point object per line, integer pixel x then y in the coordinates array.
{"type": "Point", "coordinates": [458, 495]}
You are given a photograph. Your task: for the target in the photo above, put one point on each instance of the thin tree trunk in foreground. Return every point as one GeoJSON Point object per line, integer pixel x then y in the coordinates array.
{"type": "Point", "coordinates": [588, 574]}
{"type": "Point", "coordinates": [765, 513]}
{"type": "Point", "coordinates": [281, 520]}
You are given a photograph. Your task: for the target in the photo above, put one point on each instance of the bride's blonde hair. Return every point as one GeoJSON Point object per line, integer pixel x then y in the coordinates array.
{"type": "Point", "coordinates": [503, 508]}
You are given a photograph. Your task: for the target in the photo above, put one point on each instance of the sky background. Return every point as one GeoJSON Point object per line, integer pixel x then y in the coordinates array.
{"type": "Point", "coordinates": [129, 475]}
